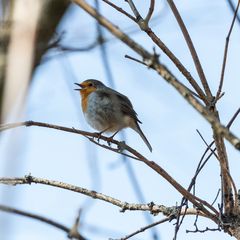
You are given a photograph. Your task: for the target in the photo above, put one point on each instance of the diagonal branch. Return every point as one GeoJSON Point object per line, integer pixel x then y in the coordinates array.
{"type": "Point", "coordinates": [41, 219]}
{"type": "Point", "coordinates": [192, 50]}
{"type": "Point", "coordinates": [142, 229]}
{"type": "Point", "coordinates": [189, 211]}
{"type": "Point", "coordinates": [225, 53]}
{"type": "Point", "coordinates": [120, 10]}
{"type": "Point", "coordinates": [199, 203]}
{"type": "Point", "coordinates": [150, 11]}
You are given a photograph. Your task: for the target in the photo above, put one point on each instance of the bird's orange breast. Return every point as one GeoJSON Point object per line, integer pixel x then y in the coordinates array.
{"type": "Point", "coordinates": [84, 95]}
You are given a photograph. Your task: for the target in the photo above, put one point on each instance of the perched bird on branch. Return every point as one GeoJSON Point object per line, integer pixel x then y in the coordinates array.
{"type": "Point", "coordinates": [107, 110]}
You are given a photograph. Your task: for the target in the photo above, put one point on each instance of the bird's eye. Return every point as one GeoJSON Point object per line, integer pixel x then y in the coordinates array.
{"type": "Point", "coordinates": [90, 84]}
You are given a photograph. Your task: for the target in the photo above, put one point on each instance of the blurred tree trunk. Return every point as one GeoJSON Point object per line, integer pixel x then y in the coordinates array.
{"type": "Point", "coordinates": [26, 29]}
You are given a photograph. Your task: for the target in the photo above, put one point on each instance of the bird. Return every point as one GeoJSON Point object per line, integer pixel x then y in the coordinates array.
{"type": "Point", "coordinates": [107, 110]}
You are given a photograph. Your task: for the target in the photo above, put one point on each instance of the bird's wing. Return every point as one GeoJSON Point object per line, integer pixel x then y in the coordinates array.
{"type": "Point", "coordinates": [126, 106]}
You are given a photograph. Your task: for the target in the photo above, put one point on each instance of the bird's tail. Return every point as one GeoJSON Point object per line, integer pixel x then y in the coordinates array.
{"type": "Point", "coordinates": [140, 132]}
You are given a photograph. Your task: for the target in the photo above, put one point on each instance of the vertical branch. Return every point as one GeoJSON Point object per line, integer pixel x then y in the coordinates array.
{"type": "Point", "coordinates": [224, 166]}
{"type": "Point", "coordinates": [227, 196]}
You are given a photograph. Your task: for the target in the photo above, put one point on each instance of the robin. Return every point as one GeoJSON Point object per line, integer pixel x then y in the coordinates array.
{"type": "Point", "coordinates": [107, 110]}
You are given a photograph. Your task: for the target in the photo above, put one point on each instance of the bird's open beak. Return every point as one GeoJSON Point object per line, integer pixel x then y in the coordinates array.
{"type": "Point", "coordinates": [79, 85]}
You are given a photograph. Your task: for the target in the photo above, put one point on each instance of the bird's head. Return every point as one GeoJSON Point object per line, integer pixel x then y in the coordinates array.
{"type": "Point", "coordinates": [88, 86]}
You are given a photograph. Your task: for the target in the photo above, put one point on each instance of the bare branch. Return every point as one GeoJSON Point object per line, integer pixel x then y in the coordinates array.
{"type": "Point", "coordinates": [232, 7]}
{"type": "Point", "coordinates": [151, 207]}
{"type": "Point", "coordinates": [225, 54]}
{"type": "Point", "coordinates": [208, 146]}
{"type": "Point", "coordinates": [202, 231]}
{"type": "Point", "coordinates": [144, 228]}
{"type": "Point", "coordinates": [195, 200]}
{"type": "Point", "coordinates": [41, 219]}
{"type": "Point", "coordinates": [233, 118]}
{"type": "Point", "coordinates": [150, 66]}
{"type": "Point", "coordinates": [192, 50]}
{"type": "Point", "coordinates": [134, 10]}
{"type": "Point", "coordinates": [73, 233]}
{"type": "Point", "coordinates": [215, 199]}
{"type": "Point", "coordinates": [120, 10]}
{"type": "Point", "coordinates": [150, 11]}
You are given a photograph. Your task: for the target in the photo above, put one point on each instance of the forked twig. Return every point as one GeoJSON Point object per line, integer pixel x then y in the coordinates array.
{"type": "Point", "coordinates": [204, 230]}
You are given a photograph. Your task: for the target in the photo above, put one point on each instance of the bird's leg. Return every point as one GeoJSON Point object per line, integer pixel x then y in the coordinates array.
{"type": "Point", "coordinates": [100, 133]}
{"type": "Point", "coordinates": [111, 138]}
{"type": "Point", "coordinates": [114, 135]}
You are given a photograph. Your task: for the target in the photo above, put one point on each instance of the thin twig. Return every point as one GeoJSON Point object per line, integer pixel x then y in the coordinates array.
{"type": "Point", "coordinates": [134, 10]}
{"type": "Point", "coordinates": [74, 229]}
{"type": "Point", "coordinates": [208, 147]}
{"type": "Point", "coordinates": [233, 118]}
{"type": "Point", "coordinates": [218, 192]}
{"type": "Point", "coordinates": [145, 64]}
{"type": "Point", "coordinates": [120, 10]}
{"type": "Point", "coordinates": [232, 7]}
{"type": "Point", "coordinates": [150, 11]}
{"type": "Point", "coordinates": [144, 228]}
{"type": "Point", "coordinates": [192, 49]}
{"type": "Point", "coordinates": [41, 219]}
{"type": "Point", "coordinates": [226, 53]}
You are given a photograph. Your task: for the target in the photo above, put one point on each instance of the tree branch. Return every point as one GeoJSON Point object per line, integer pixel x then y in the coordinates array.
{"type": "Point", "coordinates": [122, 146]}
{"type": "Point", "coordinates": [150, 11]}
{"type": "Point", "coordinates": [192, 50]}
{"type": "Point", "coordinates": [48, 221]}
{"type": "Point", "coordinates": [189, 211]}
{"type": "Point", "coordinates": [219, 91]}
{"type": "Point", "coordinates": [151, 207]}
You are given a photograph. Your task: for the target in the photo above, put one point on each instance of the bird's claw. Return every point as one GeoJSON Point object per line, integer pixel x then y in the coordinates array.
{"type": "Point", "coordinates": [109, 140]}
{"type": "Point", "coordinates": [99, 134]}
